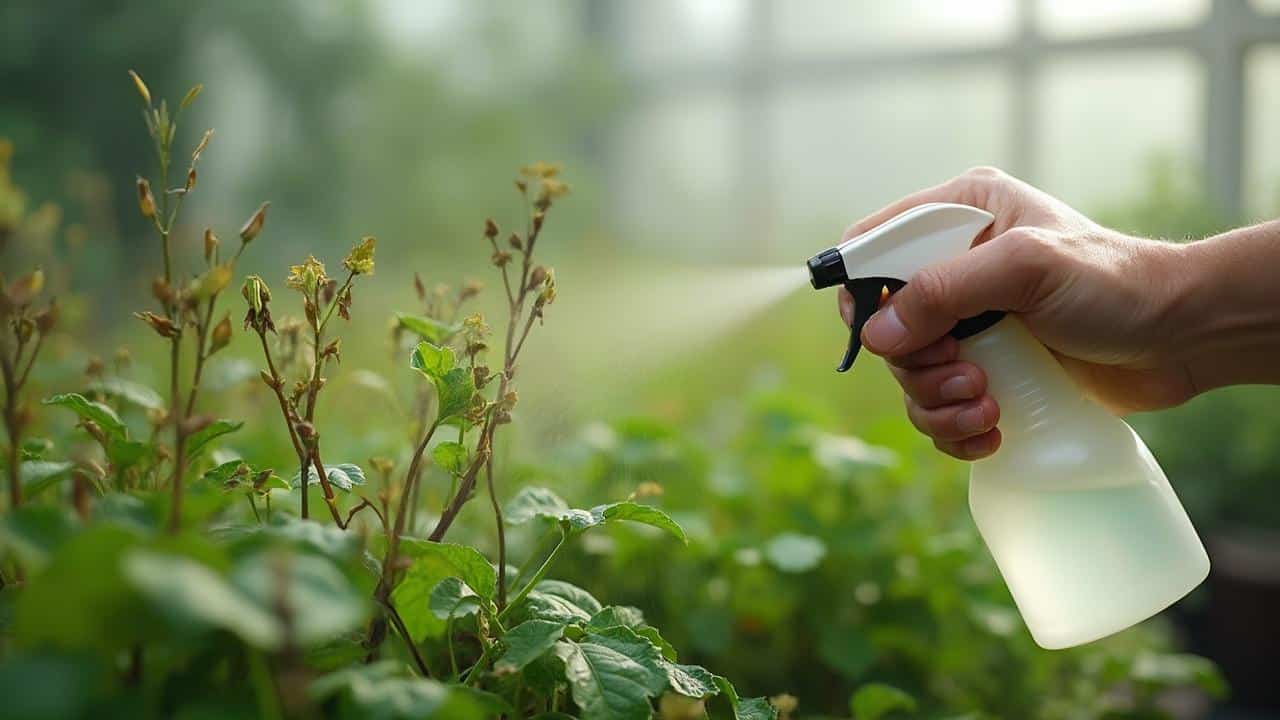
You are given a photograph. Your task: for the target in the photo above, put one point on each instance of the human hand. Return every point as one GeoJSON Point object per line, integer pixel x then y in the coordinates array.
{"type": "Point", "coordinates": [1104, 303]}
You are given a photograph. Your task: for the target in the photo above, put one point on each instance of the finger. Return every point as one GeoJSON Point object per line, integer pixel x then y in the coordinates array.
{"type": "Point", "coordinates": [974, 448]}
{"type": "Point", "coordinates": [955, 422]}
{"type": "Point", "coordinates": [1009, 273]}
{"type": "Point", "coordinates": [944, 351]}
{"type": "Point", "coordinates": [971, 188]}
{"type": "Point", "coordinates": [940, 385]}
{"type": "Point", "coordinates": [846, 305]}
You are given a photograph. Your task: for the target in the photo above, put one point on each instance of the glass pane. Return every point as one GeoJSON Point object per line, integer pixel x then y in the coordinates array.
{"type": "Point", "coordinates": [843, 152]}
{"type": "Point", "coordinates": [1102, 121]}
{"type": "Point", "coordinates": [1093, 17]}
{"type": "Point", "coordinates": [1262, 133]}
{"type": "Point", "coordinates": [658, 32]}
{"type": "Point", "coordinates": [676, 170]}
{"type": "Point", "coordinates": [815, 27]}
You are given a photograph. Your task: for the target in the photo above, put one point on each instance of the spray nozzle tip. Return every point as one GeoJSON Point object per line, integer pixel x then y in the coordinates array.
{"type": "Point", "coordinates": [826, 269]}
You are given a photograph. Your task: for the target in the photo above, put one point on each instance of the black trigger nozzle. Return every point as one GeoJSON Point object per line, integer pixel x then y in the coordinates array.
{"type": "Point", "coordinates": [866, 294]}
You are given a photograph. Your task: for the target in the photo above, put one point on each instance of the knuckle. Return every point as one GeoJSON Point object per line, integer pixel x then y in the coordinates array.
{"type": "Point", "coordinates": [986, 173]}
{"type": "Point", "coordinates": [929, 289]}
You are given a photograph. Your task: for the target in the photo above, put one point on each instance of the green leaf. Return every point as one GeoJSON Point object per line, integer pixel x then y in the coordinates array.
{"type": "Point", "coordinates": [1169, 670]}
{"type": "Point", "coordinates": [432, 360]}
{"type": "Point", "coordinates": [613, 674]}
{"type": "Point", "coordinates": [191, 595]}
{"type": "Point", "coordinates": [560, 601]}
{"type": "Point", "coordinates": [534, 502]}
{"type": "Point", "coordinates": [876, 700]}
{"type": "Point", "coordinates": [344, 476]}
{"type": "Point", "coordinates": [644, 514]}
{"type": "Point", "coordinates": [451, 456]}
{"type": "Point", "coordinates": [124, 454]}
{"type": "Point", "coordinates": [34, 532]}
{"type": "Point", "coordinates": [36, 448]}
{"type": "Point", "coordinates": [429, 329]}
{"type": "Point", "coordinates": [102, 415]}
{"type": "Point", "coordinates": [39, 475]}
{"type": "Point", "coordinates": [433, 562]}
{"type": "Point", "coordinates": [381, 691]}
{"type": "Point", "coordinates": [745, 708]}
{"type": "Point", "coordinates": [453, 598]}
{"type": "Point", "coordinates": [216, 429]}
{"type": "Point", "coordinates": [325, 605]}
{"type": "Point", "coordinates": [614, 616]}
{"type": "Point", "coordinates": [220, 474]}
{"type": "Point", "coordinates": [690, 680]}
{"type": "Point", "coordinates": [527, 642]}
{"type": "Point", "coordinates": [454, 390]}
{"type": "Point", "coordinates": [847, 649]}
{"type": "Point", "coordinates": [795, 553]}
{"type": "Point", "coordinates": [129, 391]}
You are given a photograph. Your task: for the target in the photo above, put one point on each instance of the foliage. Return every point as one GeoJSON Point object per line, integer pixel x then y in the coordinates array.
{"type": "Point", "coordinates": [174, 578]}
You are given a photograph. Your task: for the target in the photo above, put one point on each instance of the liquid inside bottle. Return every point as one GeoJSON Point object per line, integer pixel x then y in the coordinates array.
{"type": "Point", "coordinates": [1082, 522]}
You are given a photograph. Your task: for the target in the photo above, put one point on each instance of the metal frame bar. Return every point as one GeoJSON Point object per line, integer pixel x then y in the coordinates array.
{"type": "Point", "coordinates": [1220, 42]}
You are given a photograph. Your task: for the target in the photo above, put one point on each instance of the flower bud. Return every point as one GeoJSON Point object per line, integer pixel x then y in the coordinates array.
{"type": "Point", "coordinates": [191, 96]}
{"type": "Point", "coordinates": [221, 335]}
{"type": "Point", "coordinates": [515, 242]}
{"type": "Point", "coordinates": [490, 228]}
{"type": "Point", "coordinates": [210, 245]}
{"type": "Point", "coordinates": [142, 87]}
{"type": "Point", "coordinates": [161, 291]}
{"type": "Point", "coordinates": [500, 258]}
{"type": "Point", "coordinates": [146, 201]}
{"type": "Point", "coordinates": [191, 180]}
{"type": "Point", "coordinates": [537, 275]}
{"type": "Point", "coordinates": [253, 225]}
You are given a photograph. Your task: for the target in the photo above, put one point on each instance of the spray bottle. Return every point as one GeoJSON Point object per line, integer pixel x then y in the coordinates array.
{"type": "Point", "coordinates": [1079, 517]}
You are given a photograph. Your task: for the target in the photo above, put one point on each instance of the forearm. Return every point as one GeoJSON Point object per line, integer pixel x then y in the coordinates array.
{"type": "Point", "coordinates": [1226, 313]}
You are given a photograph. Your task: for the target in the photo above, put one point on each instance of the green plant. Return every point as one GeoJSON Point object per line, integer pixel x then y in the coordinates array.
{"type": "Point", "coordinates": [166, 596]}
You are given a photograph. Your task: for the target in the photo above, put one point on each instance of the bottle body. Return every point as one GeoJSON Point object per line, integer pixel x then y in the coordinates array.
{"type": "Point", "coordinates": [1082, 522]}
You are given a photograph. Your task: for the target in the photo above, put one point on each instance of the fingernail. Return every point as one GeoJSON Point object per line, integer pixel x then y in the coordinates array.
{"type": "Point", "coordinates": [885, 330]}
{"type": "Point", "coordinates": [972, 420]}
{"type": "Point", "coordinates": [959, 387]}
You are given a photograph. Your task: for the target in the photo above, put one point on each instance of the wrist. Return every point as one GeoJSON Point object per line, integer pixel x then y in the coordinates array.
{"type": "Point", "coordinates": [1224, 308]}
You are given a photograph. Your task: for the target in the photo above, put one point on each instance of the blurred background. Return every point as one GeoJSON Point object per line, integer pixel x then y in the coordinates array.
{"type": "Point", "coordinates": [704, 140]}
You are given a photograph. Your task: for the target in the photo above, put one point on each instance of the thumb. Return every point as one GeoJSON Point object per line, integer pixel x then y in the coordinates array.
{"type": "Point", "coordinates": [1007, 273]}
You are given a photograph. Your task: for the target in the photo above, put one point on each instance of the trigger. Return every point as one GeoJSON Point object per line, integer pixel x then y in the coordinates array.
{"type": "Point", "coordinates": [866, 300]}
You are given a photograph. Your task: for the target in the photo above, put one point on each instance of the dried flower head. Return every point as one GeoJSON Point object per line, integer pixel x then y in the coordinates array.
{"type": "Point", "coordinates": [254, 224]}
{"type": "Point", "coordinates": [490, 228]}
{"type": "Point", "coordinates": [146, 201]}
{"type": "Point", "coordinates": [308, 276]}
{"type": "Point", "coordinates": [360, 259]}
{"type": "Point", "coordinates": [541, 169]}
{"type": "Point", "coordinates": [162, 325]}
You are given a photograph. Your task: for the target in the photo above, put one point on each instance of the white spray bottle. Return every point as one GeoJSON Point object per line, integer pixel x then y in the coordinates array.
{"type": "Point", "coordinates": [1080, 519]}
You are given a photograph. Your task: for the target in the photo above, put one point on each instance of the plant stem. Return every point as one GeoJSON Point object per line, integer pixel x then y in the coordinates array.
{"type": "Point", "coordinates": [537, 576]}
{"type": "Point", "coordinates": [398, 622]}
{"type": "Point", "coordinates": [11, 427]}
{"type": "Point", "coordinates": [502, 536]}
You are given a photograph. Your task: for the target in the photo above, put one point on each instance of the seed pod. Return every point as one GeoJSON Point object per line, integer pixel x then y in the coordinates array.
{"type": "Point", "coordinates": [500, 258]}
{"type": "Point", "coordinates": [161, 291]}
{"type": "Point", "coordinates": [191, 180]}
{"type": "Point", "coordinates": [204, 143]}
{"type": "Point", "coordinates": [538, 218]}
{"type": "Point", "coordinates": [515, 242]}
{"type": "Point", "coordinates": [210, 245]}
{"type": "Point", "coordinates": [221, 336]}
{"type": "Point", "coordinates": [490, 228]}
{"type": "Point", "coordinates": [480, 375]}
{"type": "Point", "coordinates": [163, 326]}
{"type": "Point", "coordinates": [254, 224]}
{"type": "Point", "coordinates": [266, 378]}
{"type": "Point", "coordinates": [142, 87]}
{"type": "Point", "coordinates": [537, 275]}
{"type": "Point", "coordinates": [191, 96]}
{"type": "Point", "coordinates": [146, 201]}
{"type": "Point", "coordinates": [509, 401]}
